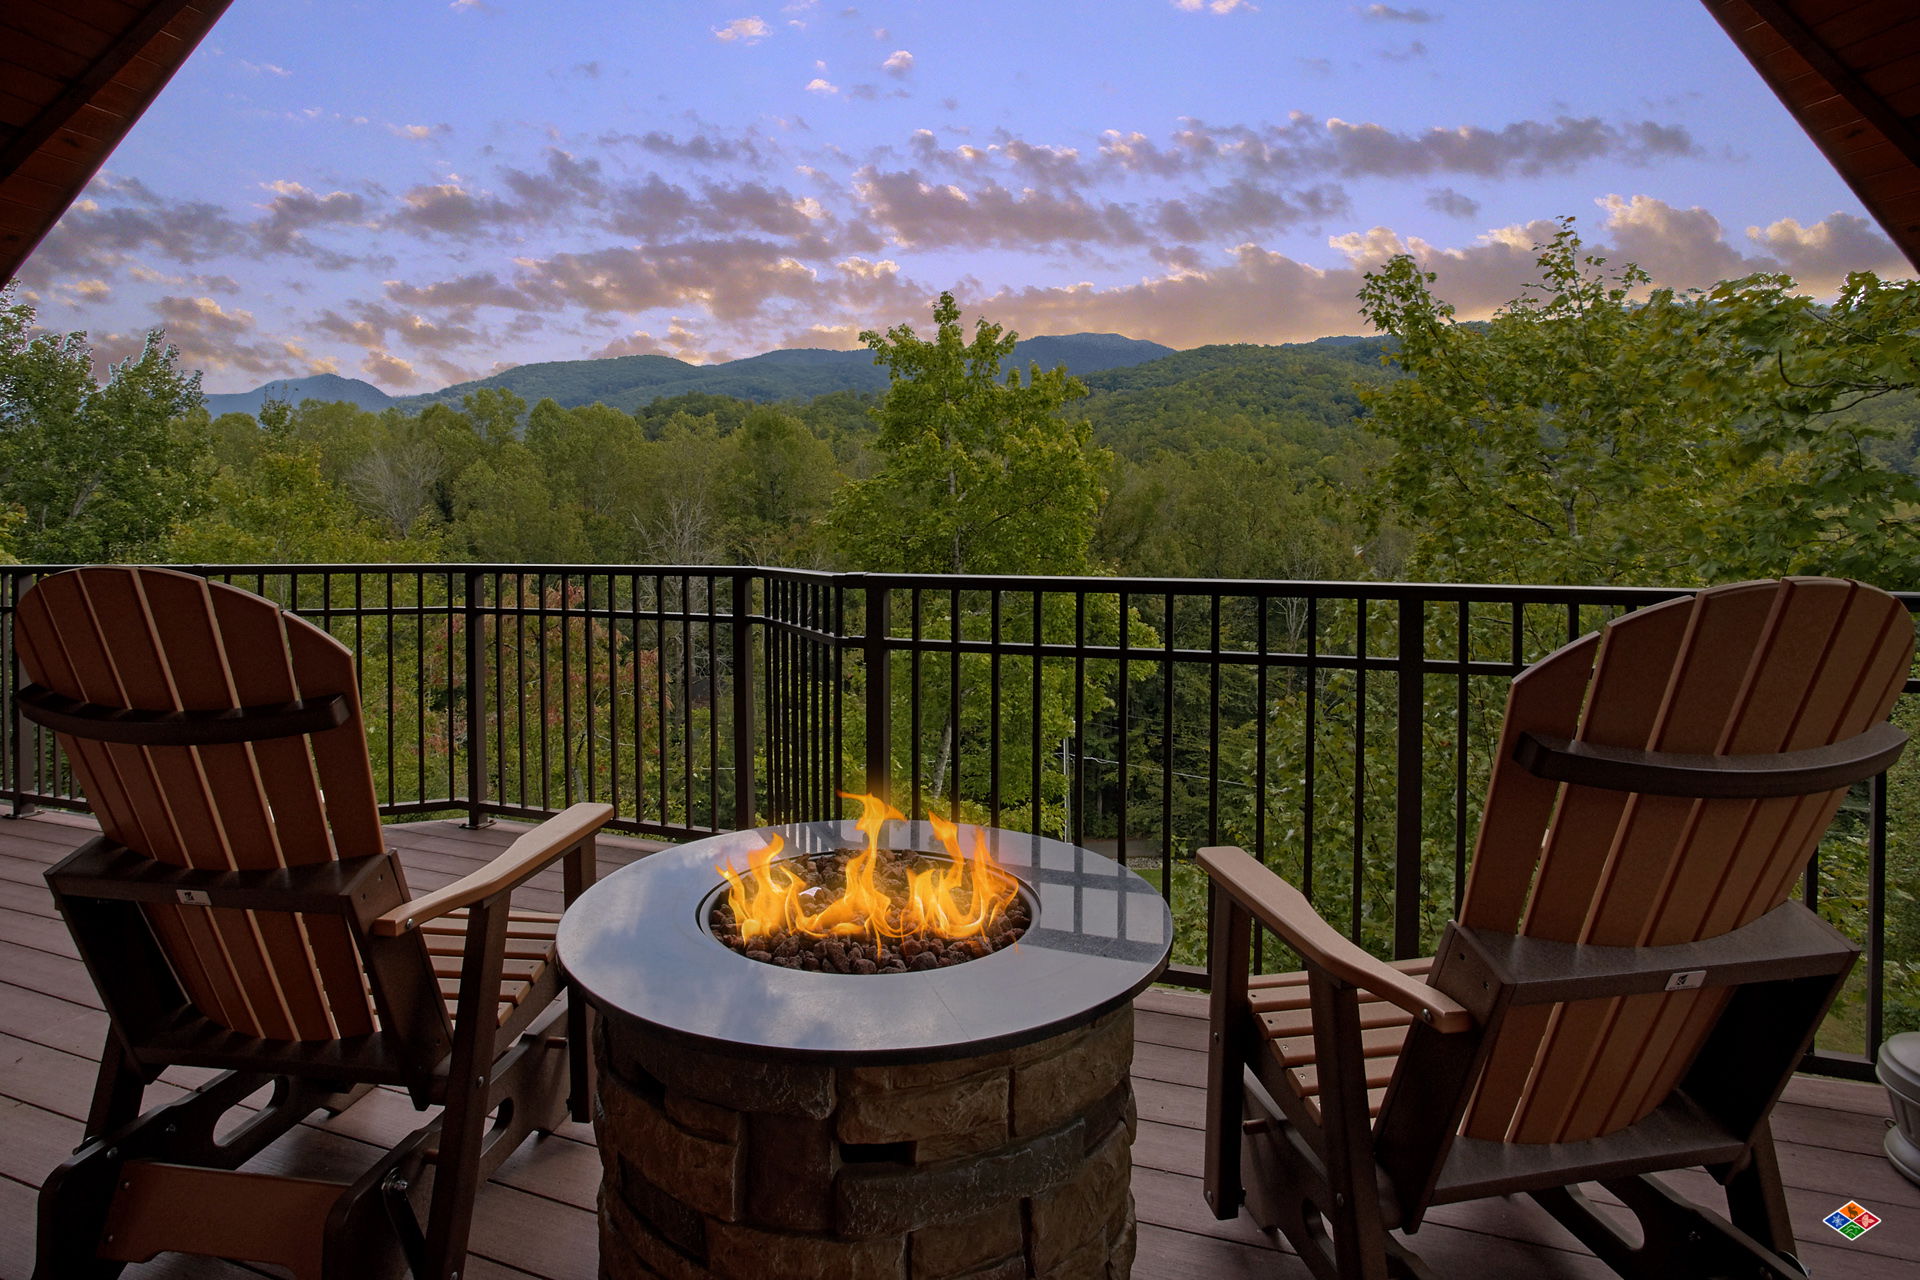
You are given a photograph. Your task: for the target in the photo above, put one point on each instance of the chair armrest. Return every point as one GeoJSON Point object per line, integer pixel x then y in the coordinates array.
{"type": "Point", "coordinates": [1285, 910]}
{"type": "Point", "coordinates": [518, 862]}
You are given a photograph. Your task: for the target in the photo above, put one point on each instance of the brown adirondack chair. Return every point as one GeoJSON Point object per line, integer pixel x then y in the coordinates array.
{"type": "Point", "coordinates": [1627, 989]}
{"type": "Point", "coordinates": [240, 912]}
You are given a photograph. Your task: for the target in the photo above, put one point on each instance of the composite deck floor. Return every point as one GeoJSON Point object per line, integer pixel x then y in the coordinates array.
{"type": "Point", "coordinates": [536, 1218]}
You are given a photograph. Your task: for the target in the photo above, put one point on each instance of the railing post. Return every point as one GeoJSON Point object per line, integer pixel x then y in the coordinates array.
{"type": "Point", "coordinates": [1409, 775]}
{"type": "Point", "coordinates": [879, 694]}
{"type": "Point", "coordinates": [745, 812]}
{"type": "Point", "coordinates": [19, 733]}
{"type": "Point", "coordinates": [476, 702]}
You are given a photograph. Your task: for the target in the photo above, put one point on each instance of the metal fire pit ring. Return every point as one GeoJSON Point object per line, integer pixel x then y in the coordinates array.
{"type": "Point", "coordinates": [636, 946]}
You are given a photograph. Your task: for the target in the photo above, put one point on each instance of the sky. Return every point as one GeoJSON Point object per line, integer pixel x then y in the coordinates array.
{"type": "Point", "coordinates": [418, 192]}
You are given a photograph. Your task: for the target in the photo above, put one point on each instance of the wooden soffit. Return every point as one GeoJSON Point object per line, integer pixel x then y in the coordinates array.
{"type": "Point", "coordinates": [1849, 71]}
{"type": "Point", "coordinates": [74, 76]}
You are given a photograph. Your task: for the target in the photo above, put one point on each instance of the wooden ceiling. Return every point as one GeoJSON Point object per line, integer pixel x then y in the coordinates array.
{"type": "Point", "coordinates": [1849, 71]}
{"type": "Point", "coordinates": [75, 75]}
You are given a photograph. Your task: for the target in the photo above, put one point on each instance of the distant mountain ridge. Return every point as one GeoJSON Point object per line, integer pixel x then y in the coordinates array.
{"type": "Point", "coordinates": [628, 382]}
{"type": "Point", "coordinates": [318, 386]}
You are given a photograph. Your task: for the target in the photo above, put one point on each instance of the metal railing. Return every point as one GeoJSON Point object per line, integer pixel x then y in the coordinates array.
{"type": "Point", "coordinates": [1339, 730]}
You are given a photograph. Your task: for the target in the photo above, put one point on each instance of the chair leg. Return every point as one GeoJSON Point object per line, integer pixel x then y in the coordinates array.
{"type": "Point", "coordinates": [1231, 930]}
{"type": "Point", "coordinates": [1756, 1200]}
{"type": "Point", "coordinates": [116, 1090]}
{"type": "Point", "coordinates": [579, 1059]}
{"type": "Point", "coordinates": [1359, 1231]}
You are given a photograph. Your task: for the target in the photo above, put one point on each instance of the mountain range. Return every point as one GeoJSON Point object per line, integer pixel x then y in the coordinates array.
{"type": "Point", "coordinates": [628, 382]}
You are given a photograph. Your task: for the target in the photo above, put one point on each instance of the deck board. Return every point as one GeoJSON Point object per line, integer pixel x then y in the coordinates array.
{"type": "Point", "coordinates": [536, 1217]}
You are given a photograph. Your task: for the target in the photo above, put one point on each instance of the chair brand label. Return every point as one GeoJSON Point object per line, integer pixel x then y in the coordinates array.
{"type": "Point", "coordinates": [1686, 979]}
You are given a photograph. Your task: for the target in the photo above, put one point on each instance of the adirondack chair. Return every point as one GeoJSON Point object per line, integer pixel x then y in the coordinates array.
{"type": "Point", "coordinates": [240, 912]}
{"type": "Point", "coordinates": [1627, 988]}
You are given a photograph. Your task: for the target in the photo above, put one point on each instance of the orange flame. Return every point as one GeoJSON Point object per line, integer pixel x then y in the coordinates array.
{"type": "Point", "coordinates": [960, 900]}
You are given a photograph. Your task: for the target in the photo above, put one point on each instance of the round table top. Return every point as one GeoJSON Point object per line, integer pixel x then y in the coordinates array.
{"type": "Point", "coordinates": [635, 946]}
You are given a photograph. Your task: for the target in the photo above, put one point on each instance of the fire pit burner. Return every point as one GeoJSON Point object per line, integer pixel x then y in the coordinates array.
{"type": "Point", "coordinates": [762, 1121]}
{"type": "Point", "coordinates": [856, 950]}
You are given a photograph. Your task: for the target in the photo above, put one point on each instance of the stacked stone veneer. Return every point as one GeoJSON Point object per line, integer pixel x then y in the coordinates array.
{"type": "Point", "coordinates": [1011, 1164]}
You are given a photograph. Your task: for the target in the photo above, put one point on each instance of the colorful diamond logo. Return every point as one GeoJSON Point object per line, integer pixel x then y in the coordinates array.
{"type": "Point", "coordinates": [1852, 1220]}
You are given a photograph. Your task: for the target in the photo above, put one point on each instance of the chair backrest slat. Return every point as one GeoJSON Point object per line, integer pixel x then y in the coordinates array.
{"type": "Point", "coordinates": [323, 665]}
{"type": "Point", "coordinates": [1749, 669]}
{"type": "Point", "coordinates": [1544, 699]}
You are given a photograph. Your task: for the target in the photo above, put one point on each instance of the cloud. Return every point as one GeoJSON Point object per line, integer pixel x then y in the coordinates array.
{"type": "Point", "coordinates": [743, 30]}
{"type": "Point", "coordinates": [1688, 248]}
{"type": "Point", "coordinates": [1684, 248]}
{"type": "Point", "coordinates": [564, 184]}
{"type": "Point", "coordinates": [732, 279]}
{"type": "Point", "coordinates": [264, 69]}
{"type": "Point", "coordinates": [214, 339]}
{"type": "Point", "coordinates": [1825, 252]}
{"type": "Point", "coordinates": [658, 210]}
{"type": "Point", "coordinates": [1526, 148]}
{"type": "Point", "coordinates": [700, 148]}
{"type": "Point", "coordinates": [418, 132]}
{"type": "Point", "coordinates": [206, 284]}
{"type": "Point", "coordinates": [80, 293]}
{"type": "Point", "coordinates": [1214, 6]}
{"type": "Point", "coordinates": [461, 294]}
{"type": "Point", "coordinates": [388, 371]}
{"type": "Point", "coordinates": [1304, 146]}
{"type": "Point", "coordinates": [377, 324]}
{"type": "Point", "coordinates": [450, 209]}
{"type": "Point", "coordinates": [822, 86]}
{"type": "Point", "coordinates": [94, 236]}
{"type": "Point", "coordinates": [680, 343]}
{"type": "Point", "coordinates": [1450, 202]}
{"type": "Point", "coordinates": [1387, 13]}
{"type": "Point", "coordinates": [294, 210]}
{"type": "Point", "coordinates": [918, 212]}
{"type": "Point", "coordinates": [898, 63]}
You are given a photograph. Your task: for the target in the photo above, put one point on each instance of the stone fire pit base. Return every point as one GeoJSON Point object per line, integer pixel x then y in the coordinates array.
{"type": "Point", "coordinates": [1011, 1164]}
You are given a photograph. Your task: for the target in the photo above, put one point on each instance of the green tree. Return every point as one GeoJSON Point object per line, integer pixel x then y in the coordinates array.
{"type": "Point", "coordinates": [274, 504]}
{"type": "Point", "coordinates": [504, 510]}
{"type": "Point", "coordinates": [97, 472]}
{"type": "Point", "coordinates": [774, 486]}
{"type": "Point", "coordinates": [980, 475]}
{"type": "Point", "coordinates": [1587, 435]}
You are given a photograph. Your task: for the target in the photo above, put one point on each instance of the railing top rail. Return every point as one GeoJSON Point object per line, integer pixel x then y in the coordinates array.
{"type": "Point", "coordinates": [1470, 592]}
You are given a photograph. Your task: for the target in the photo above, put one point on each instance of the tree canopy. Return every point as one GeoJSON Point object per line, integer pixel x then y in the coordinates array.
{"type": "Point", "coordinates": [981, 474]}
{"type": "Point", "coordinates": [1590, 434]}
{"type": "Point", "coordinates": [88, 470]}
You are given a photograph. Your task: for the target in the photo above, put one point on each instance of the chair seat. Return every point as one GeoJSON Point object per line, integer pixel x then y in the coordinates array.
{"type": "Point", "coordinates": [530, 936]}
{"type": "Point", "coordinates": [1283, 1007]}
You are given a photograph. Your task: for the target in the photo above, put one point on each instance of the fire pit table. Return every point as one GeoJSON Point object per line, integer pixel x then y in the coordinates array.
{"type": "Point", "coordinates": [763, 1121]}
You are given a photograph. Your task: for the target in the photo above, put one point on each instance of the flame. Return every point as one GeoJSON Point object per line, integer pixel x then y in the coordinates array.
{"type": "Point", "coordinates": [962, 899]}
